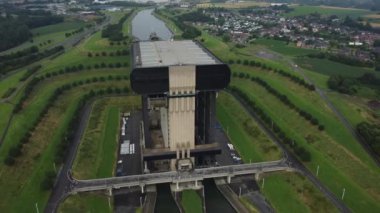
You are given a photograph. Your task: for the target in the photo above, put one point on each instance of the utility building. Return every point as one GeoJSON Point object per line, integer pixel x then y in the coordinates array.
{"type": "Point", "coordinates": [178, 81]}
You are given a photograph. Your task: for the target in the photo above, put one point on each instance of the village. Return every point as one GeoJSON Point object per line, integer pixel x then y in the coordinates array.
{"type": "Point", "coordinates": [333, 34]}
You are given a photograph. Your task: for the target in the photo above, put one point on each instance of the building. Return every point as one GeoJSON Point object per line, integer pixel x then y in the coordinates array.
{"type": "Point", "coordinates": [178, 81]}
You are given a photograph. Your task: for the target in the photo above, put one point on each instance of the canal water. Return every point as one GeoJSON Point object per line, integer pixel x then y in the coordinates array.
{"type": "Point", "coordinates": [145, 23]}
{"type": "Point", "coordinates": [165, 202]}
{"type": "Point", "coordinates": [215, 201]}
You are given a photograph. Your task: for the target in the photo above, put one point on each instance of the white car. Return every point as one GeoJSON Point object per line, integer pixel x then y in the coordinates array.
{"type": "Point", "coordinates": [120, 161]}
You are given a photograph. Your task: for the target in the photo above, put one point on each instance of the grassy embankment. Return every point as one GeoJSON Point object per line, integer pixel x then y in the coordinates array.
{"type": "Point", "coordinates": [252, 144]}
{"type": "Point", "coordinates": [22, 180]}
{"type": "Point", "coordinates": [280, 188]}
{"type": "Point", "coordinates": [85, 203]}
{"type": "Point", "coordinates": [191, 201]}
{"type": "Point", "coordinates": [97, 152]}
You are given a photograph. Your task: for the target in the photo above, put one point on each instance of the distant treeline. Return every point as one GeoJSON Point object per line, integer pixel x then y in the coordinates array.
{"type": "Point", "coordinates": [114, 32]}
{"type": "Point", "coordinates": [15, 26]}
{"type": "Point", "coordinates": [347, 85]}
{"type": "Point", "coordinates": [342, 59]}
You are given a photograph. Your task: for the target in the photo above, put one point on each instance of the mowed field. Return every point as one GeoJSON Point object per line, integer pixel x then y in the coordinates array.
{"type": "Point", "coordinates": [300, 10]}
{"type": "Point", "coordinates": [291, 192]}
{"type": "Point", "coordinates": [22, 181]}
{"type": "Point", "coordinates": [284, 48]}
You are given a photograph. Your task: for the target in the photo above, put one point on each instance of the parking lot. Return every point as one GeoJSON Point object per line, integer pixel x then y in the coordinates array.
{"type": "Point", "coordinates": [129, 153]}
{"type": "Point", "coordinates": [229, 154]}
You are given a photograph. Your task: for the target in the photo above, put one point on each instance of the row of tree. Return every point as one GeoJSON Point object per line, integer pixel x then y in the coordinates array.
{"type": "Point", "coordinates": [19, 54]}
{"type": "Point", "coordinates": [104, 53]}
{"type": "Point", "coordinates": [301, 152]}
{"type": "Point", "coordinates": [33, 83]}
{"type": "Point", "coordinates": [16, 150]}
{"type": "Point", "coordinates": [284, 99]}
{"type": "Point", "coordinates": [264, 66]}
{"type": "Point", "coordinates": [371, 134]}
{"type": "Point", "coordinates": [68, 34]}
{"type": "Point", "coordinates": [30, 72]}
{"type": "Point", "coordinates": [114, 32]}
{"type": "Point", "coordinates": [9, 65]}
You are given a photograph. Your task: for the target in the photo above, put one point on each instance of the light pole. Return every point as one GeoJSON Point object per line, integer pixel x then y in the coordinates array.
{"type": "Point", "coordinates": [317, 170]}
{"type": "Point", "coordinates": [38, 211]}
{"type": "Point", "coordinates": [239, 191]}
{"type": "Point", "coordinates": [344, 192]}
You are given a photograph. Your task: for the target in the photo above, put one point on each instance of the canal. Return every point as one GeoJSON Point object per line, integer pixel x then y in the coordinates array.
{"type": "Point", "coordinates": [145, 23]}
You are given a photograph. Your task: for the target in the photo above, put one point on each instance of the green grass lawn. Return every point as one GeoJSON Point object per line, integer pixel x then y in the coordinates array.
{"type": "Point", "coordinates": [252, 144]}
{"type": "Point", "coordinates": [328, 11]}
{"type": "Point", "coordinates": [97, 153]}
{"type": "Point", "coordinates": [339, 164]}
{"type": "Point", "coordinates": [60, 27]}
{"type": "Point", "coordinates": [86, 203]}
{"type": "Point", "coordinates": [284, 48]}
{"type": "Point", "coordinates": [291, 192]}
{"type": "Point", "coordinates": [191, 201]}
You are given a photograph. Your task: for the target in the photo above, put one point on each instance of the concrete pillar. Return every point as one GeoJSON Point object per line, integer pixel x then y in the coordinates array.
{"type": "Point", "coordinates": [229, 179]}
{"type": "Point", "coordinates": [177, 153]}
{"type": "Point", "coordinates": [257, 176]}
{"type": "Point", "coordinates": [196, 183]}
{"type": "Point", "coordinates": [177, 185]}
{"type": "Point", "coordinates": [110, 191]}
{"type": "Point", "coordinates": [142, 188]}
{"type": "Point", "coordinates": [183, 152]}
{"type": "Point", "coordinates": [188, 149]}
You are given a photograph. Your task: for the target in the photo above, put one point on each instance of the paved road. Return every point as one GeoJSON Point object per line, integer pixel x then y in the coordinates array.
{"type": "Point", "coordinates": [294, 162]}
{"type": "Point", "coordinates": [174, 176]}
{"type": "Point", "coordinates": [127, 201]}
